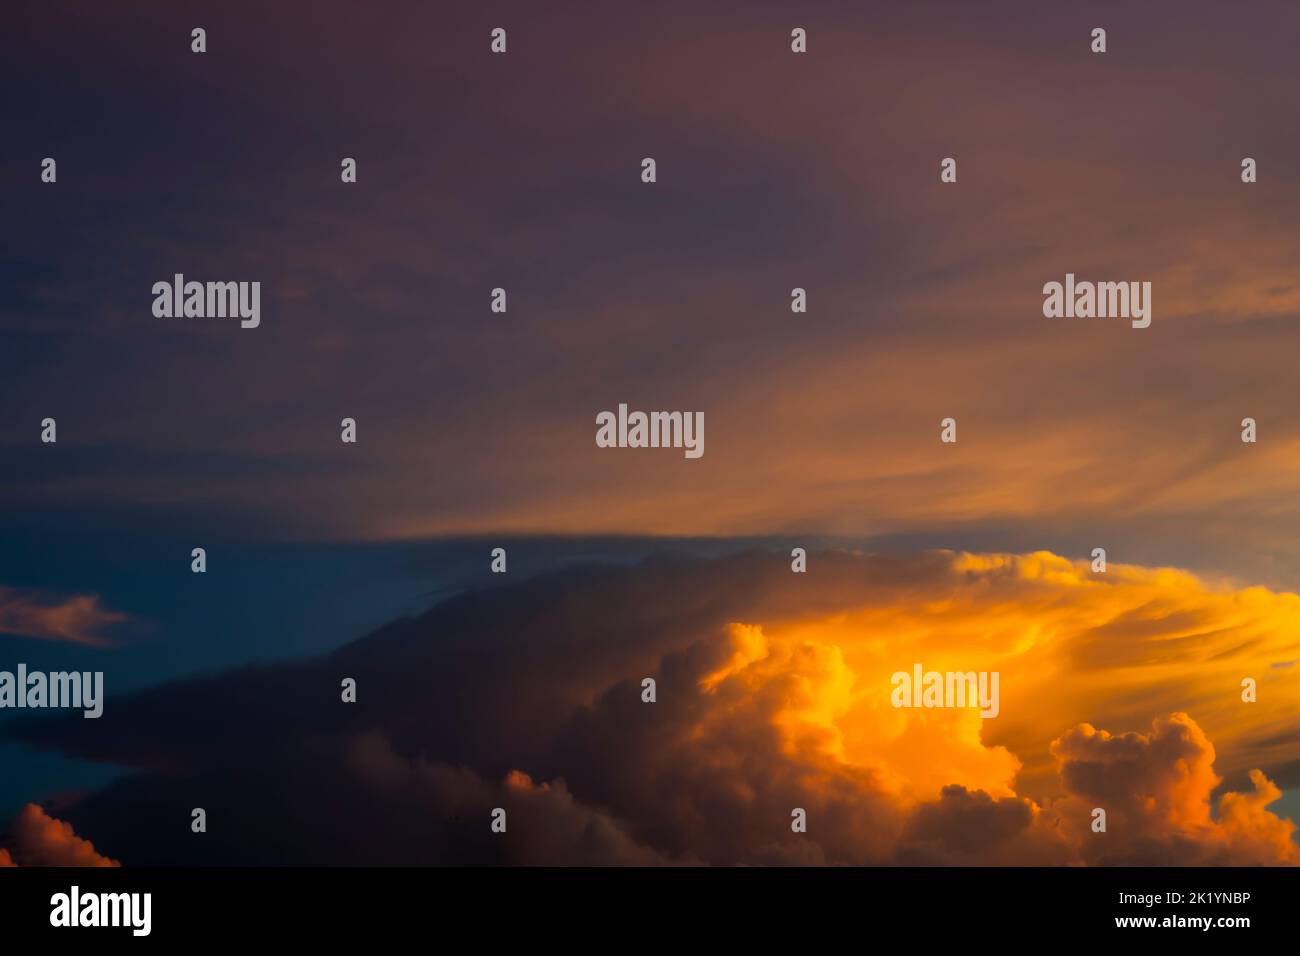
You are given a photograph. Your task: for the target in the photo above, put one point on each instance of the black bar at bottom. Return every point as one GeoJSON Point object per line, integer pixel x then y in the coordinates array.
{"type": "Point", "coordinates": [610, 907]}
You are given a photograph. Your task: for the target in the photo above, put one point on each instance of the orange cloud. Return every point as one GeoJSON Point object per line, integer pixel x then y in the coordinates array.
{"type": "Point", "coordinates": [1115, 649]}
{"type": "Point", "coordinates": [40, 840]}
{"type": "Point", "coordinates": [796, 712]}
{"type": "Point", "coordinates": [78, 619]}
{"type": "Point", "coordinates": [1156, 790]}
{"type": "Point", "coordinates": [1245, 820]}
{"type": "Point", "coordinates": [1119, 690]}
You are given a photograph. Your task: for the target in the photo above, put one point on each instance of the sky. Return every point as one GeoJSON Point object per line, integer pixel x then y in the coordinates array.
{"type": "Point", "coordinates": [475, 429]}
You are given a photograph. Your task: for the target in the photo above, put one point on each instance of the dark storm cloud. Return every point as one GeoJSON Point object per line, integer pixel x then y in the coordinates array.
{"type": "Point", "coordinates": [527, 697]}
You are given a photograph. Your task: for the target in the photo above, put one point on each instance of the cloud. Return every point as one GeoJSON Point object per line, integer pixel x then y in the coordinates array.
{"type": "Point", "coordinates": [548, 825]}
{"type": "Point", "coordinates": [79, 619]}
{"type": "Point", "coordinates": [1156, 790]}
{"type": "Point", "coordinates": [973, 828]}
{"type": "Point", "coordinates": [925, 298]}
{"type": "Point", "coordinates": [1246, 822]}
{"type": "Point", "coordinates": [36, 839]}
{"type": "Point", "coordinates": [772, 694]}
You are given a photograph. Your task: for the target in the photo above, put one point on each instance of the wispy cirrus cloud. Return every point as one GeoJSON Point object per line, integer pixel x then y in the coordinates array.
{"type": "Point", "coordinates": [925, 298]}
{"type": "Point", "coordinates": [42, 616]}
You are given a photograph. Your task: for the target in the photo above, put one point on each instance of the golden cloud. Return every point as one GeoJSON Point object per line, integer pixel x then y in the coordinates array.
{"type": "Point", "coordinates": [38, 839]}
{"type": "Point", "coordinates": [796, 712]}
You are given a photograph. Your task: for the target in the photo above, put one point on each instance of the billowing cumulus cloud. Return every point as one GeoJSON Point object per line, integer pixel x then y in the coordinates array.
{"type": "Point", "coordinates": [547, 825]}
{"type": "Point", "coordinates": [1156, 790]}
{"type": "Point", "coordinates": [772, 695]}
{"type": "Point", "coordinates": [973, 828]}
{"type": "Point", "coordinates": [77, 619]}
{"type": "Point", "coordinates": [37, 839]}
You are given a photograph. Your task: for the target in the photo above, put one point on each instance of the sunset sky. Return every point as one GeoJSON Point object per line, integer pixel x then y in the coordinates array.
{"type": "Point", "coordinates": [476, 430]}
